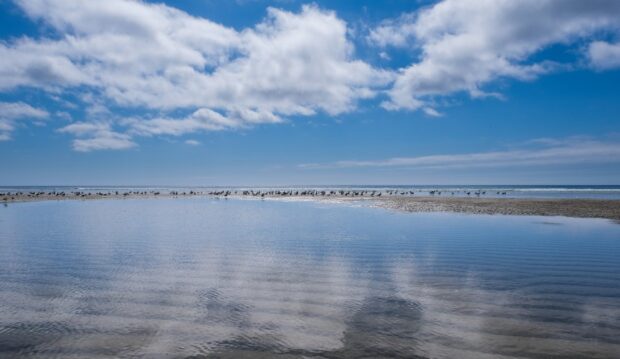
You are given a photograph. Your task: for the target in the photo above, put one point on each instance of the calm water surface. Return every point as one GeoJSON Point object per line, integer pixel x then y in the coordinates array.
{"type": "Point", "coordinates": [230, 279]}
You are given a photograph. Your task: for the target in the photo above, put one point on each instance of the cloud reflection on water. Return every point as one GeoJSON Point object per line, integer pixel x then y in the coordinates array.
{"type": "Point", "coordinates": [185, 278]}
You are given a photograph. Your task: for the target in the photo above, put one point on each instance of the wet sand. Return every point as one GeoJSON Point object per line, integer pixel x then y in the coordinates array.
{"type": "Point", "coordinates": [585, 208]}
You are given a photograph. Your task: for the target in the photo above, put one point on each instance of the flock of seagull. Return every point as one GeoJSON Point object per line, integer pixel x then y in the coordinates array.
{"type": "Point", "coordinates": [338, 193]}
{"type": "Point", "coordinates": [6, 196]}
{"type": "Point", "coordinates": [352, 193]}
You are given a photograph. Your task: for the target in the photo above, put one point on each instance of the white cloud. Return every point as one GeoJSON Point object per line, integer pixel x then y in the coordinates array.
{"type": "Point", "coordinates": [394, 32]}
{"type": "Point", "coordinates": [103, 141]}
{"type": "Point", "coordinates": [548, 152]}
{"type": "Point", "coordinates": [466, 44]}
{"type": "Point", "coordinates": [202, 120]}
{"type": "Point", "coordinates": [126, 56]}
{"type": "Point", "coordinates": [192, 142]}
{"type": "Point", "coordinates": [604, 55]}
{"type": "Point", "coordinates": [11, 112]}
{"type": "Point", "coordinates": [97, 136]}
{"type": "Point", "coordinates": [431, 112]}
{"type": "Point", "coordinates": [384, 55]}
{"type": "Point", "coordinates": [14, 110]}
{"type": "Point", "coordinates": [146, 56]}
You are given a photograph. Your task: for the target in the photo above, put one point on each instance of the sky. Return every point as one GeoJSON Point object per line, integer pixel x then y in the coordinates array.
{"type": "Point", "coordinates": [253, 92]}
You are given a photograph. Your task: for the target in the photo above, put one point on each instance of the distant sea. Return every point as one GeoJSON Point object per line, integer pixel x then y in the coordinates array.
{"type": "Point", "coordinates": [511, 191]}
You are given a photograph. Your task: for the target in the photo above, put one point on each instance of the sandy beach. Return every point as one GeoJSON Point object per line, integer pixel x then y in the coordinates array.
{"type": "Point", "coordinates": [584, 208]}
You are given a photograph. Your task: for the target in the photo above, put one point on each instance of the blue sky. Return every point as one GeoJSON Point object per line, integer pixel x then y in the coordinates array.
{"type": "Point", "coordinates": [286, 92]}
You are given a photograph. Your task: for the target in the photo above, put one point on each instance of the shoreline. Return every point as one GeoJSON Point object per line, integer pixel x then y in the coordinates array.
{"type": "Point", "coordinates": [577, 208]}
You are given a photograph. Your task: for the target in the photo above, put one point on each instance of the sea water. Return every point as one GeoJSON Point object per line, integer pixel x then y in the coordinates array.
{"type": "Point", "coordinates": [191, 278]}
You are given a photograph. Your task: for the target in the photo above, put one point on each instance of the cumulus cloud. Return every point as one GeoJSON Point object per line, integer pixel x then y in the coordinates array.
{"type": "Point", "coordinates": [394, 32]}
{"type": "Point", "coordinates": [93, 136]}
{"type": "Point", "coordinates": [178, 74]}
{"type": "Point", "coordinates": [604, 55]}
{"type": "Point", "coordinates": [202, 120]}
{"type": "Point", "coordinates": [11, 112]}
{"type": "Point", "coordinates": [154, 57]}
{"type": "Point", "coordinates": [466, 44]}
{"type": "Point", "coordinates": [547, 152]}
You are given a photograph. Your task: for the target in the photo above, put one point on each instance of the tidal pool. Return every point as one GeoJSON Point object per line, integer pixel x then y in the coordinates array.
{"type": "Point", "coordinates": [192, 278]}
